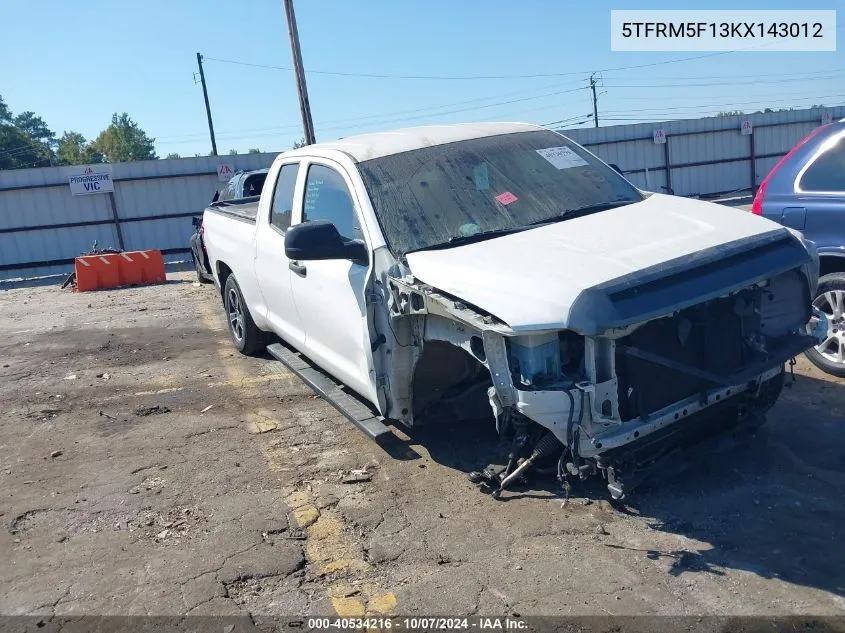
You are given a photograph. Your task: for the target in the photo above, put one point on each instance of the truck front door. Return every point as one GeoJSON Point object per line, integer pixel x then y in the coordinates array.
{"type": "Point", "coordinates": [330, 294]}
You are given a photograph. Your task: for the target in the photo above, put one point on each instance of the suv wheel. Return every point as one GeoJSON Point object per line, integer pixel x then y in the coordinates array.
{"type": "Point", "coordinates": [829, 356]}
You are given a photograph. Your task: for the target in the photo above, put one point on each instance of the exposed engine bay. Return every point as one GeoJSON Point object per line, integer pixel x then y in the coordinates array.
{"type": "Point", "coordinates": [613, 404]}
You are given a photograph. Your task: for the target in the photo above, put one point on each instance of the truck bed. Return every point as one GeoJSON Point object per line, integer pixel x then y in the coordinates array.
{"type": "Point", "coordinates": [244, 209]}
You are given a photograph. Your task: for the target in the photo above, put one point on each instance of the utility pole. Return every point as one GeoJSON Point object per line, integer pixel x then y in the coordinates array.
{"type": "Point", "coordinates": [207, 107]}
{"type": "Point", "coordinates": [302, 89]}
{"type": "Point", "coordinates": [595, 100]}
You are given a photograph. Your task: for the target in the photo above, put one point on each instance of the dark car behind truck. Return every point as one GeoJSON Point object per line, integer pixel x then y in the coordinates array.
{"type": "Point", "coordinates": [243, 186]}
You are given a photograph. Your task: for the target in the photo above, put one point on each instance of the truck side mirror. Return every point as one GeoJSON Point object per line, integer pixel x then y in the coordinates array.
{"type": "Point", "coordinates": [319, 240]}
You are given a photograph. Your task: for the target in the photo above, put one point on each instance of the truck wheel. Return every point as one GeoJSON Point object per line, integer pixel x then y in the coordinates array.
{"type": "Point", "coordinates": [246, 336]}
{"type": "Point", "coordinates": [829, 356]}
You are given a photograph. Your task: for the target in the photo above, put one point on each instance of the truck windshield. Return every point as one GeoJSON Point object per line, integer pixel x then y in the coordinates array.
{"type": "Point", "coordinates": [443, 195]}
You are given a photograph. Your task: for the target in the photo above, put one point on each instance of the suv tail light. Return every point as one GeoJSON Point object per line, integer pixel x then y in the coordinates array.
{"type": "Point", "coordinates": [757, 205]}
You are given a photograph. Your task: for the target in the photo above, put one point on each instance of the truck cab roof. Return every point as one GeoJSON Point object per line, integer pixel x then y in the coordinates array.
{"type": "Point", "coordinates": [363, 147]}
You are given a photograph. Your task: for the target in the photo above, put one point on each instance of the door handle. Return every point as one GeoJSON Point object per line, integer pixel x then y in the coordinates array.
{"type": "Point", "coordinates": [298, 268]}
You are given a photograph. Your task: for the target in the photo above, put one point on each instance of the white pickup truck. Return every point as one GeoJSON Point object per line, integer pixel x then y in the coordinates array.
{"type": "Point", "coordinates": [605, 326]}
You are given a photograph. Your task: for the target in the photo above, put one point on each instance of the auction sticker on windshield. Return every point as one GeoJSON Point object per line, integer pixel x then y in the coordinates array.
{"type": "Point", "coordinates": [481, 177]}
{"type": "Point", "coordinates": [562, 157]}
{"type": "Point", "coordinates": [506, 198]}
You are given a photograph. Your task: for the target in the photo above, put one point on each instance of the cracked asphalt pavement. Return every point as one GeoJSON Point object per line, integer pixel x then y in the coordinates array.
{"type": "Point", "coordinates": [148, 469]}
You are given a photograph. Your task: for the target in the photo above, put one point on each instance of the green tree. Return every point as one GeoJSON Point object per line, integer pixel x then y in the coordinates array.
{"type": "Point", "coordinates": [73, 149]}
{"type": "Point", "coordinates": [5, 113]}
{"type": "Point", "coordinates": [299, 143]}
{"type": "Point", "coordinates": [233, 152]}
{"type": "Point", "coordinates": [24, 145]}
{"type": "Point", "coordinates": [29, 123]}
{"type": "Point", "coordinates": [253, 150]}
{"type": "Point", "coordinates": [18, 150]}
{"type": "Point", "coordinates": [124, 140]}
{"type": "Point", "coordinates": [173, 155]}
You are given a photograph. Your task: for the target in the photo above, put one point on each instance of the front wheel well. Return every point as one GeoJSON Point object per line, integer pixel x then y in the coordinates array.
{"type": "Point", "coordinates": [831, 264]}
{"type": "Point", "coordinates": [444, 373]}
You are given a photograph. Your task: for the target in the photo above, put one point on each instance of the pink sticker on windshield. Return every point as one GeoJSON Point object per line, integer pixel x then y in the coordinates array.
{"type": "Point", "coordinates": [506, 198]}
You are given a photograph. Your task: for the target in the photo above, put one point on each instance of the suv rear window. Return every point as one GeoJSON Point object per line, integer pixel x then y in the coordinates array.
{"type": "Point", "coordinates": [253, 185]}
{"type": "Point", "coordinates": [827, 172]}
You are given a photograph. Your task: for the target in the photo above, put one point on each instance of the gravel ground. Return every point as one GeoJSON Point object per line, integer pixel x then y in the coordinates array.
{"type": "Point", "coordinates": [148, 469]}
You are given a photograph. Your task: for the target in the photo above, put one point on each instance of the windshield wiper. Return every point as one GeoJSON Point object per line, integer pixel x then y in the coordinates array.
{"type": "Point", "coordinates": [460, 240]}
{"type": "Point", "coordinates": [585, 210]}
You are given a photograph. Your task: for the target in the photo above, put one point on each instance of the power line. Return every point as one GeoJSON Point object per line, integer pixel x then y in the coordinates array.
{"type": "Point", "coordinates": [377, 117]}
{"type": "Point", "coordinates": [433, 114]}
{"type": "Point", "coordinates": [626, 98]}
{"type": "Point", "coordinates": [568, 120]}
{"type": "Point", "coordinates": [807, 74]}
{"type": "Point", "coordinates": [654, 118]}
{"type": "Point", "coordinates": [486, 77]}
{"type": "Point", "coordinates": [28, 145]}
{"type": "Point", "coordinates": [468, 77]}
{"type": "Point", "coordinates": [610, 115]}
{"type": "Point", "coordinates": [713, 84]}
{"type": "Point", "coordinates": [718, 105]}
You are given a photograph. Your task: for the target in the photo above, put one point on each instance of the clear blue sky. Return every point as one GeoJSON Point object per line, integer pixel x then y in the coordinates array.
{"type": "Point", "coordinates": [77, 63]}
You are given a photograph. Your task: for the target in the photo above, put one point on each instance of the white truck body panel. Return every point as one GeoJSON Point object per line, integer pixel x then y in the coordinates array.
{"type": "Point", "coordinates": [530, 279]}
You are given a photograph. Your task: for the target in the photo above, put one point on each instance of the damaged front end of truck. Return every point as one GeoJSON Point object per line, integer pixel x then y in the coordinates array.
{"type": "Point", "coordinates": [656, 361]}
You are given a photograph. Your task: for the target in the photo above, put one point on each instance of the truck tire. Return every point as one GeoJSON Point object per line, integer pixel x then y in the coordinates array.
{"type": "Point", "coordinates": [246, 336]}
{"type": "Point", "coordinates": [830, 299]}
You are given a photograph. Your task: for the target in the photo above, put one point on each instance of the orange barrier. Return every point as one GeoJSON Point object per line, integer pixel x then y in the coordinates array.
{"type": "Point", "coordinates": [96, 271]}
{"type": "Point", "coordinates": [141, 267]}
{"type": "Point", "coordinates": [111, 270]}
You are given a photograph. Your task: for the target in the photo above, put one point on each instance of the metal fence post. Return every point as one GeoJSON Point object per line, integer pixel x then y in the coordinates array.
{"type": "Point", "coordinates": [668, 165]}
{"type": "Point", "coordinates": [753, 155]}
{"type": "Point", "coordinates": [114, 215]}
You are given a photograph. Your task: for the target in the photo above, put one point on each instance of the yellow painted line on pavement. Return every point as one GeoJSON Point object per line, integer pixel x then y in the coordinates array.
{"type": "Point", "coordinates": [328, 545]}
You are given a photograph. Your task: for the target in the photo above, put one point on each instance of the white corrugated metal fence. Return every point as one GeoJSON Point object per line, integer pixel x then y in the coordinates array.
{"type": "Point", "coordinates": [703, 157]}
{"type": "Point", "coordinates": [43, 227]}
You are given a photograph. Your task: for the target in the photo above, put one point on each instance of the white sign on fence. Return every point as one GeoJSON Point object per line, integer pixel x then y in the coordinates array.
{"type": "Point", "coordinates": [826, 118]}
{"type": "Point", "coordinates": [90, 179]}
{"type": "Point", "coordinates": [659, 136]}
{"type": "Point", "coordinates": [224, 172]}
{"type": "Point", "coordinates": [746, 128]}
